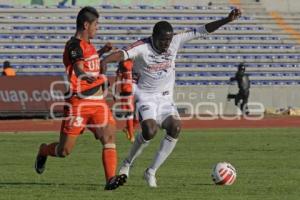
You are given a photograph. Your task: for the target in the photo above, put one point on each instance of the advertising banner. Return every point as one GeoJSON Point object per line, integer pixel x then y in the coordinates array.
{"type": "Point", "coordinates": [30, 95]}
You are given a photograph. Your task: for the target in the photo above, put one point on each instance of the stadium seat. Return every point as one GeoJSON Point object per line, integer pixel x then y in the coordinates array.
{"type": "Point", "coordinates": [31, 46]}
{"type": "Point", "coordinates": [6, 6]}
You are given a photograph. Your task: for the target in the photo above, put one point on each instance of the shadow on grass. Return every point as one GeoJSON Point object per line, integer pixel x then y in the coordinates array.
{"type": "Point", "coordinates": [203, 184]}
{"type": "Point", "coordinates": [91, 185]}
{"type": "Point", "coordinates": [47, 184]}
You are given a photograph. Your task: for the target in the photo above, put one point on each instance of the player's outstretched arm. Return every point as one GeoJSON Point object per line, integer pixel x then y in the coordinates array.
{"type": "Point", "coordinates": [78, 69]}
{"type": "Point", "coordinates": [233, 15]}
{"type": "Point", "coordinates": [112, 58]}
{"type": "Point", "coordinates": [232, 79]}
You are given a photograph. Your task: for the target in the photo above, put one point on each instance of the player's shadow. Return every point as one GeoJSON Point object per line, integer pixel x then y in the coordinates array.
{"type": "Point", "coordinates": [203, 184]}
{"type": "Point", "coordinates": [24, 183]}
{"type": "Point", "coordinates": [45, 184]}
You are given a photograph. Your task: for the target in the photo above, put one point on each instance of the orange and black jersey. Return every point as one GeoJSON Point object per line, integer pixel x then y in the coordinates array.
{"type": "Point", "coordinates": [77, 50]}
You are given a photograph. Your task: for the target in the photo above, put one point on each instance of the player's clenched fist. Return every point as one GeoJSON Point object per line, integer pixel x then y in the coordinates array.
{"type": "Point", "coordinates": [234, 14]}
{"type": "Point", "coordinates": [107, 47]}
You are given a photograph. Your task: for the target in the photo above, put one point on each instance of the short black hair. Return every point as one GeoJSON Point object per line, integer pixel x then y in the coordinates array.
{"type": "Point", "coordinates": [161, 28]}
{"type": "Point", "coordinates": [6, 64]}
{"type": "Point", "coordinates": [241, 66]}
{"type": "Point", "coordinates": [86, 14]}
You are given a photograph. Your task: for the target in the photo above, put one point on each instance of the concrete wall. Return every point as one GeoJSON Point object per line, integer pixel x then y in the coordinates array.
{"type": "Point", "coordinates": [203, 99]}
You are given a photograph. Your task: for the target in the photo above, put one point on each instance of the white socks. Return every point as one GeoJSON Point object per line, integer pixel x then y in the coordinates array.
{"type": "Point", "coordinates": [138, 146]}
{"type": "Point", "coordinates": [166, 147]}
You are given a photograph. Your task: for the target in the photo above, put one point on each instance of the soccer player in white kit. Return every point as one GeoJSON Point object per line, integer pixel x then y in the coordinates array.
{"type": "Point", "coordinates": [154, 64]}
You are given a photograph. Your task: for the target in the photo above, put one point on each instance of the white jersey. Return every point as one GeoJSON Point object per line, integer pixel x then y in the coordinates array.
{"type": "Point", "coordinates": [156, 72]}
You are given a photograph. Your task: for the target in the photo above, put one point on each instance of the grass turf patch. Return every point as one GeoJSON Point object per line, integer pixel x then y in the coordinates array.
{"type": "Point", "coordinates": [267, 163]}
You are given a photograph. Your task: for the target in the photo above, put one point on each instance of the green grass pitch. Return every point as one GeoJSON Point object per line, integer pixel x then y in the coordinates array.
{"type": "Point", "coordinates": [267, 163]}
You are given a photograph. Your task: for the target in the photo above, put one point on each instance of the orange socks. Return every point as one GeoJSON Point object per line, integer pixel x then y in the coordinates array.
{"type": "Point", "coordinates": [48, 150]}
{"type": "Point", "coordinates": [135, 123]}
{"type": "Point", "coordinates": [109, 160]}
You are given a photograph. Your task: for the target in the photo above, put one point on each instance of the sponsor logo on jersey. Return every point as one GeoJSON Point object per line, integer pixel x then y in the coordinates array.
{"type": "Point", "coordinates": [159, 66]}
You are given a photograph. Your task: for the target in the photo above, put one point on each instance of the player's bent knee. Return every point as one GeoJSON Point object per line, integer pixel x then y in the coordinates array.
{"type": "Point", "coordinates": [149, 133]}
{"type": "Point", "coordinates": [149, 129]}
{"type": "Point", "coordinates": [108, 139]}
{"type": "Point", "coordinates": [174, 130]}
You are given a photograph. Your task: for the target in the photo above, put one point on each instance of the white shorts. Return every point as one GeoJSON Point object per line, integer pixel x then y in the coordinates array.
{"type": "Point", "coordinates": [157, 106]}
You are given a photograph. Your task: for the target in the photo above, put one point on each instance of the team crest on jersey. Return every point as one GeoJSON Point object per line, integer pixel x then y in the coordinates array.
{"type": "Point", "coordinates": [74, 53]}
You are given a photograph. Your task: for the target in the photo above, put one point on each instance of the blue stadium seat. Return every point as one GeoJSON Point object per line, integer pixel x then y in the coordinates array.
{"type": "Point", "coordinates": [33, 36]}
{"type": "Point", "coordinates": [6, 6]}
{"type": "Point", "coordinates": [234, 65]}
{"type": "Point", "coordinates": [40, 73]}
{"type": "Point", "coordinates": [201, 7]}
{"type": "Point", "coordinates": [139, 17]}
{"type": "Point", "coordinates": [180, 7]}
{"type": "Point", "coordinates": [104, 6]}
{"type": "Point", "coordinates": [200, 82]}
{"type": "Point", "coordinates": [145, 7]}
{"type": "Point", "coordinates": [249, 40]}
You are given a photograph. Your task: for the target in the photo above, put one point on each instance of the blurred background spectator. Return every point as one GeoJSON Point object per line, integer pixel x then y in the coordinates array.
{"type": "Point", "coordinates": [8, 70]}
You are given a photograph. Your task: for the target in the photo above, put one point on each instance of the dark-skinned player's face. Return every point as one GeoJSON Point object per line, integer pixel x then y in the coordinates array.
{"type": "Point", "coordinates": [162, 41]}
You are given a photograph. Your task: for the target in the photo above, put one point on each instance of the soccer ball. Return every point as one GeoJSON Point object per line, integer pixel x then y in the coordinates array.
{"type": "Point", "coordinates": [223, 174]}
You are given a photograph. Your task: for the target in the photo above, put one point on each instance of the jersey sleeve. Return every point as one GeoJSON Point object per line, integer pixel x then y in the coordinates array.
{"type": "Point", "coordinates": [133, 50]}
{"type": "Point", "coordinates": [186, 36]}
{"type": "Point", "coordinates": [75, 52]}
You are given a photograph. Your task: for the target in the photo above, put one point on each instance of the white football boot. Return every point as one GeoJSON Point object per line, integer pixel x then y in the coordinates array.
{"type": "Point", "coordinates": [150, 178]}
{"type": "Point", "coordinates": [124, 169]}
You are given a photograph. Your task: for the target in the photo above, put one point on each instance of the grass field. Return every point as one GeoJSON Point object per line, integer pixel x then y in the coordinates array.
{"type": "Point", "coordinates": [267, 161]}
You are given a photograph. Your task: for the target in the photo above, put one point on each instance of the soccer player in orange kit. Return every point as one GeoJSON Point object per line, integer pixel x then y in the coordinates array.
{"type": "Point", "coordinates": [85, 103]}
{"type": "Point", "coordinates": [124, 88]}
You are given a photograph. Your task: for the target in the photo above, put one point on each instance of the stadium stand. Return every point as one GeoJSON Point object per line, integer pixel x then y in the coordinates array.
{"type": "Point", "coordinates": [34, 43]}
